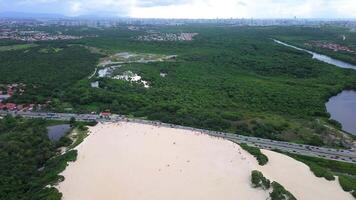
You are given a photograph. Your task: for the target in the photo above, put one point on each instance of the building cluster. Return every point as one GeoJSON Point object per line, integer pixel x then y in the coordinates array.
{"type": "Point", "coordinates": [33, 36]}
{"type": "Point", "coordinates": [7, 91]}
{"type": "Point", "coordinates": [330, 46]}
{"type": "Point", "coordinates": [167, 37]}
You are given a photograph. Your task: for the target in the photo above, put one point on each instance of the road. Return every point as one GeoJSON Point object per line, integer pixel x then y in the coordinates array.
{"type": "Point", "coordinates": [308, 150]}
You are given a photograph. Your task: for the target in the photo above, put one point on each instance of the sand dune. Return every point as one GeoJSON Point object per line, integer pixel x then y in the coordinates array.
{"type": "Point", "coordinates": [129, 161]}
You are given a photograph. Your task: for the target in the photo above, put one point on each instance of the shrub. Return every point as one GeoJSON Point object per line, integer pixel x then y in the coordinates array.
{"type": "Point", "coordinates": [256, 152]}
{"type": "Point", "coordinates": [280, 193]}
{"type": "Point", "coordinates": [320, 171]}
{"type": "Point", "coordinates": [347, 183]}
{"type": "Point", "coordinates": [258, 180]}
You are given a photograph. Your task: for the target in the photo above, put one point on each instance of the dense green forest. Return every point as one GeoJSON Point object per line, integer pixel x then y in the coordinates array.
{"type": "Point", "coordinates": [29, 160]}
{"type": "Point", "coordinates": [47, 69]}
{"type": "Point", "coordinates": [232, 79]}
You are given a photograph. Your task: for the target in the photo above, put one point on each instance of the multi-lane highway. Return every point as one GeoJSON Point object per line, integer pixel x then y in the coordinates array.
{"type": "Point", "coordinates": [327, 153]}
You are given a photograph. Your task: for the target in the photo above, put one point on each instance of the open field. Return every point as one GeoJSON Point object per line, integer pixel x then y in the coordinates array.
{"type": "Point", "coordinates": [17, 47]}
{"type": "Point", "coordinates": [136, 161]}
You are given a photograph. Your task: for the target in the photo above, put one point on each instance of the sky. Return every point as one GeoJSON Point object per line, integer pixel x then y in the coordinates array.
{"type": "Point", "coordinates": [188, 8]}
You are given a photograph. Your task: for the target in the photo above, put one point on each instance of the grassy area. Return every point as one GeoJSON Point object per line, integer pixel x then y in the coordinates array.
{"type": "Point", "coordinates": [50, 50]}
{"type": "Point", "coordinates": [78, 135]}
{"type": "Point", "coordinates": [348, 184]}
{"type": "Point", "coordinates": [17, 47]}
{"type": "Point", "coordinates": [332, 165]}
{"type": "Point", "coordinates": [256, 152]}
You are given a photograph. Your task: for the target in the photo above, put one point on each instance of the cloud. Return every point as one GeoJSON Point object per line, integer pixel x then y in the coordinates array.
{"type": "Point", "coordinates": [189, 8]}
{"type": "Point", "coordinates": [155, 3]}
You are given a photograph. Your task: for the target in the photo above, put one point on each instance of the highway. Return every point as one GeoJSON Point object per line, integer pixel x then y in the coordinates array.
{"type": "Point", "coordinates": [322, 152]}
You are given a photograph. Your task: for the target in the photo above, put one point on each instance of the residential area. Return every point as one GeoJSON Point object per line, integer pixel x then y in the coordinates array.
{"type": "Point", "coordinates": [7, 91]}
{"type": "Point", "coordinates": [330, 46]}
{"type": "Point", "coordinates": [34, 36]}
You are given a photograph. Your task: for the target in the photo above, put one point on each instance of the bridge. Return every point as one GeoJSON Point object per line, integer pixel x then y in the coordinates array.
{"type": "Point", "coordinates": [300, 149]}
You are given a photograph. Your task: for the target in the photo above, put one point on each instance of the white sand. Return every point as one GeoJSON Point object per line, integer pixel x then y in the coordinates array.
{"type": "Point", "coordinates": [129, 161]}
{"type": "Point", "coordinates": [299, 180]}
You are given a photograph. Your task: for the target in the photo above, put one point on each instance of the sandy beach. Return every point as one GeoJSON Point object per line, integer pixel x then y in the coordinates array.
{"type": "Point", "coordinates": [130, 161]}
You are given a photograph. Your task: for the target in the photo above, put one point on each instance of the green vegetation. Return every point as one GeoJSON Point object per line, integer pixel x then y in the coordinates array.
{"type": "Point", "coordinates": [29, 160]}
{"type": "Point", "coordinates": [80, 133]}
{"type": "Point", "coordinates": [280, 193]}
{"type": "Point", "coordinates": [17, 47]}
{"type": "Point", "coordinates": [46, 75]}
{"type": "Point", "coordinates": [262, 159]}
{"type": "Point", "coordinates": [331, 165]}
{"type": "Point", "coordinates": [321, 172]}
{"type": "Point", "coordinates": [229, 79]}
{"type": "Point", "coordinates": [258, 180]}
{"type": "Point", "coordinates": [348, 183]}
{"type": "Point", "coordinates": [233, 79]}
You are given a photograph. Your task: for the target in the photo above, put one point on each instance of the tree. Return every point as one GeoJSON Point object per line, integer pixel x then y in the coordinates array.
{"type": "Point", "coordinates": [72, 121]}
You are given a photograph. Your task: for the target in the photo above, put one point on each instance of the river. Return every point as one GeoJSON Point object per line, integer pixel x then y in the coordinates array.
{"type": "Point", "coordinates": [321, 57]}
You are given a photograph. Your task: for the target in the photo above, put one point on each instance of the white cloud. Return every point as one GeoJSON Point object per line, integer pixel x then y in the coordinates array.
{"type": "Point", "coordinates": [251, 8]}
{"type": "Point", "coordinates": [75, 7]}
{"type": "Point", "coordinates": [191, 8]}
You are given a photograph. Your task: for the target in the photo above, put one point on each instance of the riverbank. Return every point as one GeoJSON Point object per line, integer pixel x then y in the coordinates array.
{"type": "Point", "coordinates": [320, 57]}
{"type": "Point", "coordinates": [134, 161]}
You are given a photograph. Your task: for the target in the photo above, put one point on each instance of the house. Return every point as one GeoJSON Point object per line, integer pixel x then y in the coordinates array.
{"type": "Point", "coordinates": [105, 115]}
{"type": "Point", "coordinates": [10, 106]}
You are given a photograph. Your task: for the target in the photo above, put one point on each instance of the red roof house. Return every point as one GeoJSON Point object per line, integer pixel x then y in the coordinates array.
{"type": "Point", "coordinates": [10, 106]}
{"type": "Point", "coordinates": [105, 114]}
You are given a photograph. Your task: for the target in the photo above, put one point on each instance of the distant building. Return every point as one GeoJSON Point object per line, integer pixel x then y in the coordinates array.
{"type": "Point", "coordinates": [95, 84]}
{"type": "Point", "coordinates": [4, 97]}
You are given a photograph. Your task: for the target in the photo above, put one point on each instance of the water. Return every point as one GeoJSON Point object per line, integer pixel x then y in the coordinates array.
{"type": "Point", "coordinates": [321, 57]}
{"type": "Point", "coordinates": [342, 108]}
{"type": "Point", "coordinates": [56, 132]}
